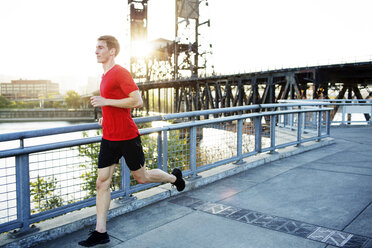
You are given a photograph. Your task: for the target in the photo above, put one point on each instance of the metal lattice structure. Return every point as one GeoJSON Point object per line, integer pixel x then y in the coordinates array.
{"type": "Point", "coordinates": [138, 34]}
{"type": "Point", "coordinates": [317, 82]}
{"type": "Point", "coordinates": [168, 59]}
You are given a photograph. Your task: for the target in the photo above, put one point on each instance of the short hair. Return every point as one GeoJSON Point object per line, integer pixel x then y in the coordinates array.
{"type": "Point", "coordinates": [111, 42]}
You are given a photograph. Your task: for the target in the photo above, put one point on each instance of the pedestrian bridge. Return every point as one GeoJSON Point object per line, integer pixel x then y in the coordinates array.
{"type": "Point", "coordinates": [271, 184]}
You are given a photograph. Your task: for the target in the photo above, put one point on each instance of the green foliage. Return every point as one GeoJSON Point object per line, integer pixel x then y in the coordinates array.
{"type": "Point", "coordinates": [178, 150]}
{"type": "Point", "coordinates": [43, 194]}
{"type": "Point", "coordinates": [149, 146]}
{"type": "Point", "coordinates": [25, 105]}
{"type": "Point", "coordinates": [4, 103]}
{"type": "Point", "coordinates": [72, 99]}
{"type": "Point", "coordinates": [53, 104]}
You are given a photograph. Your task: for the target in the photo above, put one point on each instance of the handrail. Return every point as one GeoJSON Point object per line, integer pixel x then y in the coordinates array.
{"type": "Point", "coordinates": [331, 101]}
{"type": "Point", "coordinates": [46, 147]}
{"type": "Point", "coordinates": [93, 126]}
{"type": "Point", "coordinates": [292, 120]}
{"type": "Point", "coordinates": [349, 107]}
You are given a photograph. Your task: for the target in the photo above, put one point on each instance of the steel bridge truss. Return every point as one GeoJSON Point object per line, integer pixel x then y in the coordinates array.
{"type": "Point", "coordinates": [344, 81]}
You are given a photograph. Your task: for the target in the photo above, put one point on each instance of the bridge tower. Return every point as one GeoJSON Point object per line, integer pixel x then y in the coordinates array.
{"type": "Point", "coordinates": [187, 54]}
{"type": "Point", "coordinates": [184, 56]}
{"type": "Point", "coordinates": [138, 37]}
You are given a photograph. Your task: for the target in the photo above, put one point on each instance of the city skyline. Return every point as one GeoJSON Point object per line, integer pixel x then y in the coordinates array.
{"type": "Point", "coordinates": [55, 40]}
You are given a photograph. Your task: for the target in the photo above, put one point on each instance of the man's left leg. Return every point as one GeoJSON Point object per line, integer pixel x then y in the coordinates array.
{"type": "Point", "coordinates": [143, 175]}
{"type": "Point", "coordinates": [135, 159]}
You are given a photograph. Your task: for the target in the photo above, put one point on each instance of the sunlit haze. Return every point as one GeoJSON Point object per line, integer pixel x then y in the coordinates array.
{"type": "Point", "coordinates": [55, 40]}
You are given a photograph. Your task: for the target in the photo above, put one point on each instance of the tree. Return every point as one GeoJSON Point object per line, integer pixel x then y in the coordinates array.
{"type": "Point", "coordinates": [4, 103]}
{"type": "Point", "coordinates": [72, 99]}
{"type": "Point", "coordinates": [44, 195]}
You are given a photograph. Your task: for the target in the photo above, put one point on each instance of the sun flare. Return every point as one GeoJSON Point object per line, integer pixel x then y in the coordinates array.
{"type": "Point", "coordinates": [141, 49]}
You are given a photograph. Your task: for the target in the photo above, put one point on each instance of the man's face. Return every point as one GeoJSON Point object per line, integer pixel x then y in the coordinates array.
{"type": "Point", "coordinates": [102, 52]}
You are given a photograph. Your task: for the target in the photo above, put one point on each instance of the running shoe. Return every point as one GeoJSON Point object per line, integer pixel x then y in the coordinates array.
{"type": "Point", "coordinates": [179, 183]}
{"type": "Point", "coordinates": [95, 238]}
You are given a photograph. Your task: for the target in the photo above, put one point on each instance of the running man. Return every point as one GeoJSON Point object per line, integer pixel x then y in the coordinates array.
{"type": "Point", "coordinates": [118, 95]}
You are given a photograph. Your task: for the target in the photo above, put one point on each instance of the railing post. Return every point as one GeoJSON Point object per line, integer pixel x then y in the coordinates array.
{"type": "Point", "coordinates": [165, 151]}
{"type": "Point", "coordinates": [21, 143]}
{"type": "Point", "coordinates": [313, 120]}
{"type": "Point", "coordinates": [291, 119]}
{"type": "Point", "coordinates": [257, 134]}
{"type": "Point", "coordinates": [160, 151]}
{"type": "Point", "coordinates": [126, 175]}
{"type": "Point", "coordinates": [23, 190]}
{"type": "Point", "coordinates": [272, 132]}
{"type": "Point", "coordinates": [319, 125]}
{"type": "Point", "coordinates": [328, 122]}
{"type": "Point", "coordinates": [122, 178]}
{"type": "Point", "coordinates": [193, 131]}
{"type": "Point", "coordinates": [299, 128]}
{"type": "Point", "coordinates": [239, 143]}
{"type": "Point", "coordinates": [343, 113]}
{"type": "Point", "coordinates": [285, 118]}
{"type": "Point", "coordinates": [280, 119]}
{"type": "Point", "coordinates": [303, 122]}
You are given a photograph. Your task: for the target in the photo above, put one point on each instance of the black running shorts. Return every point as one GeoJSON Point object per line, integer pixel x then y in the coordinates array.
{"type": "Point", "coordinates": [111, 151]}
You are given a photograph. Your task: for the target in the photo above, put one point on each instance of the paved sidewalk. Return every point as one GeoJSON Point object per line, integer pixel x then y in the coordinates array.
{"type": "Point", "coordinates": [318, 199]}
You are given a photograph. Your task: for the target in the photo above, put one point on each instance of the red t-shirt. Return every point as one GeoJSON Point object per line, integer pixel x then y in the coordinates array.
{"type": "Point", "coordinates": [118, 124]}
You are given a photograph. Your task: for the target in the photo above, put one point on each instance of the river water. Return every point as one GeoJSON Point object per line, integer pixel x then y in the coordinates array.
{"type": "Point", "coordinates": [11, 127]}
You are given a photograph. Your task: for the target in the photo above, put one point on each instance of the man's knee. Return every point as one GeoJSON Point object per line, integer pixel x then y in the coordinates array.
{"type": "Point", "coordinates": [140, 179]}
{"type": "Point", "coordinates": [140, 176]}
{"type": "Point", "coordinates": [102, 184]}
{"type": "Point", "coordinates": [104, 178]}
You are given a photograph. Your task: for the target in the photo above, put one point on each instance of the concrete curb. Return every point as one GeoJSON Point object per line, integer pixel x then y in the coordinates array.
{"type": "Point", "coordinates": [62, 225]}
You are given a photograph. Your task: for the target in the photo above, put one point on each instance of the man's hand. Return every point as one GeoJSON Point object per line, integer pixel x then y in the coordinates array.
{"type": "Point", "coordinates": [97, 101]}
{"type": "Point", "coordinates": [100, 121]}
{"type": "Point", "coordinates": [134, 100]}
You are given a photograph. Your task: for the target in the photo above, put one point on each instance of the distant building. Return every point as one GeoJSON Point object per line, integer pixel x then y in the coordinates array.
{"type": "Point", "coordinates": [91, 87]}
{"type": "Point", "coordinates": [28, 89]}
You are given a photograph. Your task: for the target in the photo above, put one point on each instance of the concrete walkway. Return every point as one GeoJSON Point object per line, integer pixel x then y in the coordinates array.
{"type": "Point", "coordinates": [318, 199]}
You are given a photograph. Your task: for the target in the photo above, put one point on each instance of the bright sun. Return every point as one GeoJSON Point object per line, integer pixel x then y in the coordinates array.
{"type": "Point", "coordinates": [141, 49]}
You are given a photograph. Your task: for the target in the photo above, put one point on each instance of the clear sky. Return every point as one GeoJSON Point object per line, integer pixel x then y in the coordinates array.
{"type": "Point", "coordinates": [55, 39]}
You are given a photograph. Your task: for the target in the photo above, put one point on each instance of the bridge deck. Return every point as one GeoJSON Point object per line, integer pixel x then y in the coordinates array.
{"type": "Point", "coordinates": [319, 199]}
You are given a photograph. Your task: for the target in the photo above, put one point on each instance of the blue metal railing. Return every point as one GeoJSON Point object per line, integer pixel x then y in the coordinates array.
{"type": "Point", "coordinates": [346, 111]}
{"type": "Point", "coordinates": [193, 146]}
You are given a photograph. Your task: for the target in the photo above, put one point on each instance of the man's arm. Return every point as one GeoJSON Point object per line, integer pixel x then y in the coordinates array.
{"type": "Point", "coordinates": [133, 101]}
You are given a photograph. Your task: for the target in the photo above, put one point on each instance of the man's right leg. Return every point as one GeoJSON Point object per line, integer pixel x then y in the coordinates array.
{"type": "Point", "coordinates": [103, 198]}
